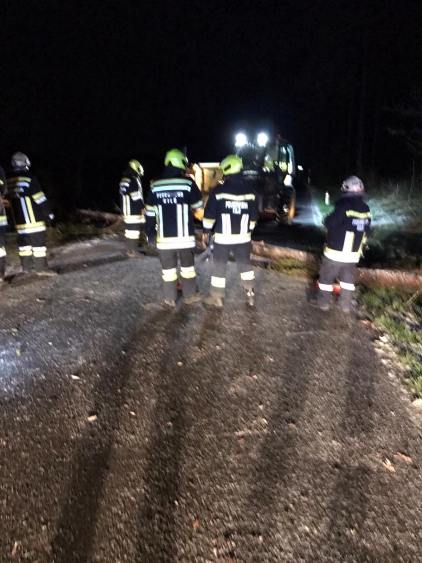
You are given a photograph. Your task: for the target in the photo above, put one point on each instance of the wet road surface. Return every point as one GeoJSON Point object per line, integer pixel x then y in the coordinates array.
{"type": "Point", "coordinates": [131, 433]}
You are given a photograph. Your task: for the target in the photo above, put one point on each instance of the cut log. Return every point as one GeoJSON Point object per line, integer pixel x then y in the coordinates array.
{"type": "Point", "coordinates": [278, 252]}
{"type": "Point", "coordinates": [398, 279]}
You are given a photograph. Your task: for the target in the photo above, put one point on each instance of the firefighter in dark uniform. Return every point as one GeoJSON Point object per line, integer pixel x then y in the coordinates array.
{"type": "Point", "coordinates": [232, 212]}
{"type": "Point", "coordinates": [132, 201]}
{"type": "Point", "coordinates": [169, 226]}
{"type": "Point", "coordinates": [3, 225]}
{"type": "Point", "coordinates": [348, 228]}
{"type": "Point", "coordinates": [30, 210]}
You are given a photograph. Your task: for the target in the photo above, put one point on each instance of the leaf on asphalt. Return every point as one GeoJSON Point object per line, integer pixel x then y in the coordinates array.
{"type": "Point", "coordinates": [96, 283]}
{"type": "Point", "coordinates": [133, 413]}
{"type": "Point", "coordinates": [368, 323]}
{"type": "Point", "coordinates": [40, 300]}
{"type": "Point", "coordinates": [241, 440]}
{"type": "Point", "coordinates": [404, 457]}
{"type": "Point", "coordinates": [255, 377]}
{"type": "Point", "coordinates": [195, 524]}
{"type": "Point", "coordinates": [383, 338]}
{"type": "Point", "coordinates": [179, 363]}
{"type": "Point", "coordinates": [217, 347]}
{"type": "Point", "coordinates": [15, 548]}
{"type": "Point", "coordinates": [76, 377]}
{"type": "Point", "coordinates": [388, 465]}
{"type": "Point", "coordinates": [92, 417]}
{"type": "Point", "coordinates": [271, 360]}
{"type": "Point", "coordinates": [15, 330]}
{"type": "Point", "coordinates": [18, 352]}
{"type": "Point", "coordinates": [292, 425]}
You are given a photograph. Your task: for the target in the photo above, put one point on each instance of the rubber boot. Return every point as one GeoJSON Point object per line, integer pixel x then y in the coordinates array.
{"type": "Point", "coordinates": [27, 264]}
{"type": "Point", "coordinates": [250, 297]}
{"type": "Point", "coordinates": [132, 248]}
{"type": "Point", "coordinates": [2, 267]}
{"type": "Point", "coordinates": [41, 268]}
{"type": "Point", "coordinates": [214, 301]}
{"type": "Point", "coordinates": [170, 293]}
{"type": "Point", "coordinates": [345, 300]}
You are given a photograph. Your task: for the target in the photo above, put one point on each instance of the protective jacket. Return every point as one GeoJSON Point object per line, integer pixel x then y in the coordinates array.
{"type": "Point", "coordinates": [132, 197]}
{"type": "Point", "coordinates": [3, 218]}
{"type": "Point", "coordinates": [29, 204]}
{"type": "Point", "coordinates": [232, 211]}
{"type": "Point", "coordinates": [169, 210]}
{"type": "Point", "coordinates": [348, 227]}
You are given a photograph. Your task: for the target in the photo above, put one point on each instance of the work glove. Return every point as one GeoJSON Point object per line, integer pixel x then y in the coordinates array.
{"type": "Point", "coordinates": [151, 239]}
{"type": "Point", "coordinates": [50, 220]}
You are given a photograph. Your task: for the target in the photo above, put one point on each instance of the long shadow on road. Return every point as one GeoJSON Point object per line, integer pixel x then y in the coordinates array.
{"type": "Point", "coordinates": [76, 529]}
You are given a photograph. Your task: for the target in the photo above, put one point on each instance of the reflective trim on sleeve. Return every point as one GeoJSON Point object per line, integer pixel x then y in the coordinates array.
{"type": "Point", "coordinates": [218, 282]}
{"type": "Point", "coordinates": [170, 275]}
{"type": "Point", "coordinates": [188, 273]}
{"type": "Point", "coordinates": [208, 223]}
{"type": "Point", "coordinates": [136, 196]}
{"type": "Point", "coordinates": [39, 251]}
{"type": "Point", "coordinates": [252, 225]}
{"type": "Point", "coordinates": [2, 252]}
{"type": "Point", "coordinates": [325, 287]}
{"type": "Point", "coordinates": [348, 286]}
{"type": "Point", "coordinates": [198, 204]}
{"type": "Point", "coordinates": [3, 221]}
{"type": "Point", "coordinates": [39, 197]}
{"type": "Point", "coordinates": [246, 276]}
{"type": "Point", "coordinates": [132, 234]}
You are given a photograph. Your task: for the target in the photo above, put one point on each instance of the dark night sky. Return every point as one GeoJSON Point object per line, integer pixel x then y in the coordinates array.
{"type": "Point", "coordinates": [121, 78]}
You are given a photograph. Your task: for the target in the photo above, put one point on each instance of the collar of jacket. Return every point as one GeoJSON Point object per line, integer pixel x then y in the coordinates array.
{"type": "Point", "coordinates": [171, 171]}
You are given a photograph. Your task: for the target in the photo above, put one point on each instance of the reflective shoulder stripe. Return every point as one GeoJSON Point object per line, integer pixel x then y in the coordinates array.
{"type": "Point", "coordinates": [245, 197]}
{"type": "Point", "coordinates": [357, 215]}
{"type": "Point", "coordinates": [198, 204]}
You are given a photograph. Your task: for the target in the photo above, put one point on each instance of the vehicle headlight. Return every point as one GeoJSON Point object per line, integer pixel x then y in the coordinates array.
{"type": "Point", "coordinates": [262, 139]}
{"type": "Point", "coordinates": [241, 140]}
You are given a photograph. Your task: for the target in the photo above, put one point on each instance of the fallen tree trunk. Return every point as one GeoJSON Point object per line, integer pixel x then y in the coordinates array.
{"type": "Point", "coordinates": [100, 216]}
{"type": "Point", "coordinates": [399, 279]}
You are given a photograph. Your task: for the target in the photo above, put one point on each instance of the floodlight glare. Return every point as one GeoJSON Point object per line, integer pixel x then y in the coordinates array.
{"type": "Point", "coordinates": [241, 140]}
{"type": "Point", "coordinates": [262, 139]}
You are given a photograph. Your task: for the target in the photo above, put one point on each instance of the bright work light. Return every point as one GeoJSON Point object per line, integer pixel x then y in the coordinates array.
{"type": "Point", "coordinates": [262, 139]}
{"type": "Point", "coordinates": [241, 140]}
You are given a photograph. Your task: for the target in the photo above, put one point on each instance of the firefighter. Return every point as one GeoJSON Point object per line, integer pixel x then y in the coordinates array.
{"type": "Point", "coordinates": [232, 212]}
{"type": "Point", "coordinates": [30, 210]}
{"type": "Point", "coordinates": [3, 225]}
{"type": "Point", "coordinates": [169, 226]}
{"type": "Point", "coordinates": [348, 228]}
{"type": "Point", "coordinates": [132, 201]}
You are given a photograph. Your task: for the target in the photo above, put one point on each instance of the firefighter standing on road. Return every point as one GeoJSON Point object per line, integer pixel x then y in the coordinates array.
{"type": "Point", "coordinates": [169, 225]}
{"type": "Point", "coordinates": [348, 228]}
{"type": "Point", "coordinates": [30, 210]}
{"type": "Point", "coordinates": [232, 211]}
{"type": "Point", "coordinates": [132, 201]}
{"type": "Point", "coordinates": [3, 225]}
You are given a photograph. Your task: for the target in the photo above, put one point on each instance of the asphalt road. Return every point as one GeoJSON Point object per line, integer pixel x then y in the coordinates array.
{"type": "Point", "coordinates": [306, 232]}
{"type": "Point", "coordinates": [131, 433]}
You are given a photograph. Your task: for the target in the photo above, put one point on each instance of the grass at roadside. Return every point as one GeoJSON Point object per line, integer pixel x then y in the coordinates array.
{"type": "Point", "coordinates": [294, 268]}
{"type": "Point", "coordinates": [400, 316]}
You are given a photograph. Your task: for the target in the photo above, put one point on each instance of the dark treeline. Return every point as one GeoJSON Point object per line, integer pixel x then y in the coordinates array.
{"type": "Point", "coordinates": [87, 86]}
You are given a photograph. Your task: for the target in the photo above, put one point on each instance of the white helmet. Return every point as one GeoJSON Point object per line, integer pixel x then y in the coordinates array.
{"type": "Point", "coordinates": [20, 160]}
{"type": "Point", "coordinates": [352, 184]}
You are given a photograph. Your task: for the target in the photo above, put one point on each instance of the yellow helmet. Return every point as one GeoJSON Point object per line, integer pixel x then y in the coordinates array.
{"type": "Point", "coordinates": [232, 164]}
{"type": "Point", "coordinates": [176, 158]}
{"type": "Point", "coordinates": [137, 166]}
